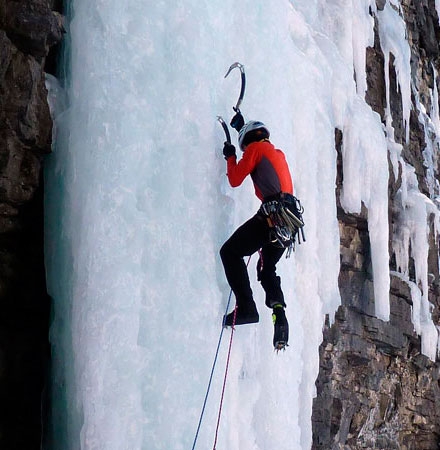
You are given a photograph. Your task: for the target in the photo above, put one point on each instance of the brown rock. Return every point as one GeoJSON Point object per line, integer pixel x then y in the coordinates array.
{"type": "Point", "coordinates": [375, 390]}
{"type": "Point", "coordinates": [27, 30]}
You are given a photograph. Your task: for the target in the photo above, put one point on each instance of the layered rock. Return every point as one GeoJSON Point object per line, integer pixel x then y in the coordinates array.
{"type": "Point", "coordinates": [376, 389]}
{"type": "Point", "coordinates": [28, 29]}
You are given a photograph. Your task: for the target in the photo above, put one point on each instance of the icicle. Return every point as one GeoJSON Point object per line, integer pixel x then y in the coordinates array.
{"type": "Point", "coordinates": [366, 181]}
{"type": "Point", "coordinates": [363, 37]}
{"type": "Point", "coordinates": [392, 31]}
{"type": "Point", "coordinates": [437, 7]}
{"type": "Point", "coordinates": [431, 143]}
{"type": "Point", "coordinates": [411, 239]}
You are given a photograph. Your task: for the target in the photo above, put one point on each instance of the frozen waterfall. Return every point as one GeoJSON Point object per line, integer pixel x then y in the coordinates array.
{"type": "Point", "coordinates": [138, 206]}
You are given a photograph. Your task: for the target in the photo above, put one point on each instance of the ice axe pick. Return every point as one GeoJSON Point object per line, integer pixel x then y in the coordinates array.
{"type": "Point", "coordinates": [236, 108]}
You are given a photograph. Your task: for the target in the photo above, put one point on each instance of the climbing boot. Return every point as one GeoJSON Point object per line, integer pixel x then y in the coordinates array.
{"type": "Point", "coordinates": [281, 328]}
{"type": "Point", "coordinates": [245, 314]}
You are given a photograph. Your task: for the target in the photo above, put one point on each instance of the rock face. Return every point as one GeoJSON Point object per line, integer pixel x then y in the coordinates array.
{"type": "Point", "coordinates": [28, 28]}
{"type": "Point", "coordinates": [375, 389]}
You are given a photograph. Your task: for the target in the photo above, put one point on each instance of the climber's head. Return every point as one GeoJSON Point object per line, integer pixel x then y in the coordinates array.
{"type": "Point", "coordinates": [252, 131]}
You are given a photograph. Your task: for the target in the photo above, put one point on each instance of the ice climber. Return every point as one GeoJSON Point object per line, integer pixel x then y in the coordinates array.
{"type": "Point", "coordinates": [270, 174]}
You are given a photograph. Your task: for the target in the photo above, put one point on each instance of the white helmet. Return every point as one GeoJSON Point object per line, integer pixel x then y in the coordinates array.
{"type": "Point", "coordinates": [252, 125]}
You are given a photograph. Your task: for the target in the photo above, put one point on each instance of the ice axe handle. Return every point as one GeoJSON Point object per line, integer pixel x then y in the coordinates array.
{"type": "Point", "coordinates": [243, 87]}
{"type": "Point", "coordinates": [225, 129]}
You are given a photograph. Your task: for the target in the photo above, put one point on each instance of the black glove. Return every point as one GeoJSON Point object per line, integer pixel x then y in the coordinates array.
{"type": "Point", "coordinates": [237, 121]}
{"type": "Point", "coordinates": [228, 150]}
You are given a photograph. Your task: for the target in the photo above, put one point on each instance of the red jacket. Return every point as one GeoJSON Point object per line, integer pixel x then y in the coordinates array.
{"type": "Point", "coordinates": [267, 167]}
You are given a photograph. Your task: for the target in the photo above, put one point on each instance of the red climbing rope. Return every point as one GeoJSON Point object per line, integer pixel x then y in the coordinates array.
{"type": "Point", "coordinates": [212, 373]}
{"type": "Point", "coordinates": [225, 378]}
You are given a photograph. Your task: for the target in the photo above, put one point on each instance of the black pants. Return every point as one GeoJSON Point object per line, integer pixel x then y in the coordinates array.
{"type": "Point", "coordinates": [246, 240]}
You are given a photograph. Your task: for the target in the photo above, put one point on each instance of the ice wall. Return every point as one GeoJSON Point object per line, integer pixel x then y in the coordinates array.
{"type": "Point", "coordinates": [138, 206]}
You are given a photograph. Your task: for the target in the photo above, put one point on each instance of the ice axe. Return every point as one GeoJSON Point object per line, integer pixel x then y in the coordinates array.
{"type": "Point", "coordinates": [225, 129]}
{"type": "Point", "coordinates": [236, 108]}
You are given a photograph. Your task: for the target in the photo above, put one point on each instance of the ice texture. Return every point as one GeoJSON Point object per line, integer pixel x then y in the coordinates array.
{"type": "Point", "coordinates": [138, 206]}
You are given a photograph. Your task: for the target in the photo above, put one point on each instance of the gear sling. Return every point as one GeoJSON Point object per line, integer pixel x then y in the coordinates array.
{"type": "Point", "coordinates": [283, 213]}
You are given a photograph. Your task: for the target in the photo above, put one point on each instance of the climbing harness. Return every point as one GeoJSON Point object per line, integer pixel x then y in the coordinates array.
{"type": "Point", "coordinates": [284, 217]}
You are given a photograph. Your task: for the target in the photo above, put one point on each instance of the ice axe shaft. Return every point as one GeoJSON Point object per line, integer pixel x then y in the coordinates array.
{"type": "Point", "coordinates": [243, 83]}
{"type": "Point", "coordinates": [225, 129]}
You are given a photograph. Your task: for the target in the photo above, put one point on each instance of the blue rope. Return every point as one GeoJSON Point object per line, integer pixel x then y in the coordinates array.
{"type": "Point", "coordinates": [212, 373]}
{"type": "Point", "coordinates": [213, 365]}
